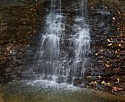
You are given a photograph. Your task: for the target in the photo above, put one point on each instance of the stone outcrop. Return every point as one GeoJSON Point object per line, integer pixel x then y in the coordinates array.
{"type": "Point", "coordinates": [19, 27]}
{"type": "Point", "coordinates": [107, 70]}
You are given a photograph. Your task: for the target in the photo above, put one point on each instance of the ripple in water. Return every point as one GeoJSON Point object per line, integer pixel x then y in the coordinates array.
{"type": "Point", "coordinates": [52, 85]}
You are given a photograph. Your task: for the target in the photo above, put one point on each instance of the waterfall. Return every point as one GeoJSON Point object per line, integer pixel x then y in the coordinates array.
{"type": "Point", "coordinates": [49, 53]}
{"type": "Point", "coordinates": [81, 41]}
{"type": "Point", "coordinates": [52, 64]}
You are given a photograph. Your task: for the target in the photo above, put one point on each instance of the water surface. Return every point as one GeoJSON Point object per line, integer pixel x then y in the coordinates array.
{"type": "Point", "coordinates": [48, 91]}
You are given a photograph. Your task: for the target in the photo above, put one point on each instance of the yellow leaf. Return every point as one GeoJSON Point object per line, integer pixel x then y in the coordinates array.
{"type": "Point", "coordinates": [119, 44]}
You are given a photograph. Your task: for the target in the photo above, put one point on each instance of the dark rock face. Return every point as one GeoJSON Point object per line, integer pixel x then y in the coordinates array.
{"type": "Point", "coordinates": [108, 45]}
{"type": "Point", "coordinates": [19, 27]}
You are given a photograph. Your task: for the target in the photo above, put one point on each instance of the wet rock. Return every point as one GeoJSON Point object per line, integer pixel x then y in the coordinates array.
{"type": "Point", "coordinates": [78, 81]}
{"type": "Point", "coordinates": [106, 23]}
{"type": "Point", "coordinates": [19, 26]}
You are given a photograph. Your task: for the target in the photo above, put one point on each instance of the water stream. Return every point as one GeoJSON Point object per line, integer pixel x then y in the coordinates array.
{"type": "Point", "coordinates": [81, 40]}
{"type": "Point", "coordinates": [49, 52]}
{"type": "Point", "coordinates": [47, 91]}
{"type": "Point", "coordinates": [50, 63]}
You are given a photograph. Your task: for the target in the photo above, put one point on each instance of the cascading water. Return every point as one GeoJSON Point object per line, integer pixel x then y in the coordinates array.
{"type": "Point", "coordinates": [81, 41]}
{"type": "Point", "coordinates": [52, 65]}
{"type": "Point", "coordinates": [49, 54]}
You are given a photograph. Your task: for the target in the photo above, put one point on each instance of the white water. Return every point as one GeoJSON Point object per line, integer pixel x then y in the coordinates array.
{"type": "Point", "coordinates": [52, 84]}
{"type": "Point", "coordinates": [81, 41]}
{"type": "Point", "coordinates": [51, 65]}
{"type": "Point", "coordinates": [49, 53]}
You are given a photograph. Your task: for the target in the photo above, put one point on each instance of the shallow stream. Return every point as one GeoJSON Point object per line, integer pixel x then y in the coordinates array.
{"type": "Point", "coordinates": [47, 91]}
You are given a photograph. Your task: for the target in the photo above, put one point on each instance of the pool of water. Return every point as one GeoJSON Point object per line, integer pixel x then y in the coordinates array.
{"type": "Point", "coordinates": [47, 91]}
